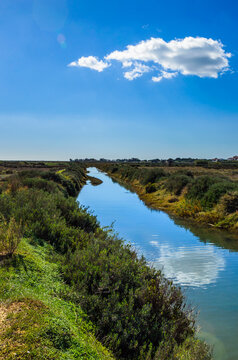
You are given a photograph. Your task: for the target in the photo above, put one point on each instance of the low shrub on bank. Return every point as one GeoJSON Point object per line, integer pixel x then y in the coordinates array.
{"type": "Point", "coordinates": [176, 183]}
{"type": "Point", "coordinates": [208, 190]}
{"type": "Point", "coordinates": [199, 187]}
{"type": "Point", "coordinates": [215, 192]}
{"type": "Point", "coordinates": [151, 176]}
{"type": "Point", "coordinates": [10, 236]}
{"type": "Point", "coordinates": [150, 188]}
{"type": "Point", "coordinates": [229, 202]}
{"type": "Point", "coordinates": [42, 184]}
{"type": "Point", "coordinates": [50, 217]}
{"type": "Point", "coordinates": [184, 172]}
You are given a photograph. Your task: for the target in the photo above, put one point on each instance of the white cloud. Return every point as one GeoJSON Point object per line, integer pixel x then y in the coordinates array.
{"type": "Point", "coordinates": [137, 71]}
{"type": "Point", "coordinates": [197, 56]}
{"type": "Point", "coordinates": [164, 75]}
{"type": "Point", "coordinates": [90, 62]}
{"type": "Point", "coordinates": [127, 63]}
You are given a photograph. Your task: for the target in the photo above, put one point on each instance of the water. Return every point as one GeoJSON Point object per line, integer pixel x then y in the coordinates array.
{"type": "Point", "coordinates": [202, 261]}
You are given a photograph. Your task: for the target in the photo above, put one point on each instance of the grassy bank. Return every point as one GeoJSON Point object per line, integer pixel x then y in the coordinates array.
{"type": "Point", "coordinates": [71, 290]}
{"type": "Point", "coordinates": [206, 196]}
{"type": "Point", "coordinates": [38, 319]}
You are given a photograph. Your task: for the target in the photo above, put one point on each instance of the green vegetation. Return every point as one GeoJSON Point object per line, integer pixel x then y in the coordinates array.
{"type": "Point", "coordinates": [179, 163]}
{"type": "Point", "coordinates": [205, 195]}
{"type": "Point", "coordinates": [94, 181]}
{"type": "Point", "coordinates": [67, 273]}
{"type": "Point", "coordinates": [176, 183]}
{"type": "Point", "coordinates": [38, 319]}
{"type": "Point", "coordinates": [10, 236]}
{"type": "Point", "coordinates": [209, 190]}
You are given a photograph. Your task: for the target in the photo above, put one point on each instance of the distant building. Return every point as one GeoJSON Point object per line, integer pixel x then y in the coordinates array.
{"type": "Point", "coordinates": [234, 158]}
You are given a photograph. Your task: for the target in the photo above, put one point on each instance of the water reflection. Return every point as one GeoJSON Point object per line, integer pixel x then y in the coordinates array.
{"type": "Point", "coordinates": [197, 266]}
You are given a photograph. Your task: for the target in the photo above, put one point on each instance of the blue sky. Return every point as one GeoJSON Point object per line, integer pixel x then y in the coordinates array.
{"type": "Point", "coordinates": [49, 110]}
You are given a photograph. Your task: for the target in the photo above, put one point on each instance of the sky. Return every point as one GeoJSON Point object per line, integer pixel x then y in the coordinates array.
{"type": "Point", "coordinates": [118, 79]}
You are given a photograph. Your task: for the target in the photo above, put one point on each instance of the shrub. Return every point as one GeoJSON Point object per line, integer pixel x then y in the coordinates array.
{"type": "Point", "coordinates": [150, 188]}
{"type": "Point", "coordinates": [151, 176]}
{"type": "Point", "coordinates": [229, 202]}
{"type": "Point", "coordinates": [10, 236]}
{"type": "Point", "coordinates": [175, 183]}
{"type": "Point", "coordinates": [14, 184]}
{"type": "Point", "coordinates": [184, 172]}
{"type": "Point", "coordinates": [114, 169]}
{"type": "Point", "coordinates": [26, 174]}
{"type": "Point", "coordinates": [214, 193]}
{"type": "Point", "coordinates": [42, 184]}
{"type": "Point", "coordinates": [192, 349]}
{"type": "Point", "coordinates": [199, 187]}
{"type": "Point", "coordinates": [50, 217]}
{"type": "Point", "coordinates": [203, 163]}
{"type": "Point", "coordinates": [70, 186]}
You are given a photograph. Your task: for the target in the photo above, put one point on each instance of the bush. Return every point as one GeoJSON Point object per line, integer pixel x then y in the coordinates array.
{"type": "Point", "coordinates": [114, 169]}
{"type": "Point", "coordinates": [10, 236]}
{"type": "Point", "coordinates": [42, 184]}
{"type": "Point", "coordinates": [184, 172]}
{"type": "Point", "coordinates": [203, 163]}
{"type": "Point", "coordinates": [151, 176]}
{"type": "Point", "coordinates": [199, 187]}
{"type": "Point", "coordinates": [176, 182]}
{"type": "Point", "coordinates": [214, 193]}
{"type": "Point", "coordinates": [50, 217]}
{"type": "Point", "coordinates": [229, 202]}
{"type": "Point", "coordinates": [70, 186]}
{"type": "Point", "coordinates": [14, 184]}
{"type": "Point", "coordinates": [150, 188]}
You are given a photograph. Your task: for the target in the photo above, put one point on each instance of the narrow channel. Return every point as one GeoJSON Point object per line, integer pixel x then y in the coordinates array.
{"type": "Point", "coordinates": [204, 262]}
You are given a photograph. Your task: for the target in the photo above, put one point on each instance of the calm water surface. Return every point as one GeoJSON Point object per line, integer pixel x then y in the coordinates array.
{"type": "Point", "coordinates": [203, 262]}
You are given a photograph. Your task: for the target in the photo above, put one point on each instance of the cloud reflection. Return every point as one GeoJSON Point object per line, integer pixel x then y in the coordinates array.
{"type": "Point", "coordinates": [189, 266]}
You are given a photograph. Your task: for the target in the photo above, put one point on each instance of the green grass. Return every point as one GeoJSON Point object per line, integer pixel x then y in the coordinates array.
{"type": "Point", "coordinates": [40, 321]}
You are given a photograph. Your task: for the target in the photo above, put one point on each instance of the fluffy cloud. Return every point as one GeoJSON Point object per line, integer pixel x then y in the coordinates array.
{"type": "Point", "coordinates": [137, 70]}
{"type": "Point", "coordinates": [90, 62]}
{"type": "Point", "coordinates": [164, 74]}
{"type": "Point", "coordinates": [189, 56]}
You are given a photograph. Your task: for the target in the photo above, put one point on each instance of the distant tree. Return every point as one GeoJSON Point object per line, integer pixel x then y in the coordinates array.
{"type": "Point", "coordinates": [170, 162]}
{"type": "Point", "coordinates": [201, 162]}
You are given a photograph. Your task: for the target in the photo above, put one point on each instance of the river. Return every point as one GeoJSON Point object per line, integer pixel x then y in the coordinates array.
{"type": "Point", "coordinates": [204, 262]}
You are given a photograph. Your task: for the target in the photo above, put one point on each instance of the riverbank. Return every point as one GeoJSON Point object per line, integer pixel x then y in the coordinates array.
{"type": "Point", "coordinates": [207, 199]}
{"type": "Point", "coordinates": [94, 181]}
{"type": "Point", "coordinates": [68, 282]}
